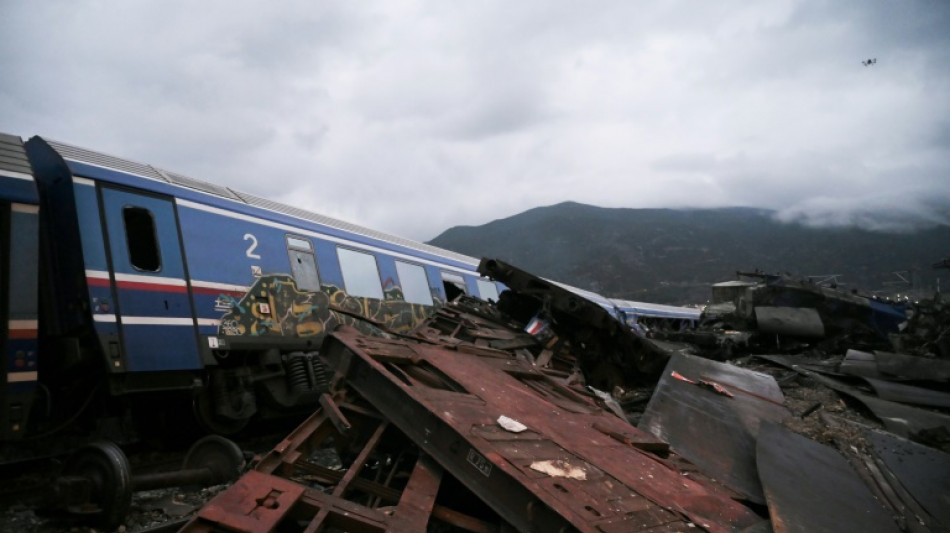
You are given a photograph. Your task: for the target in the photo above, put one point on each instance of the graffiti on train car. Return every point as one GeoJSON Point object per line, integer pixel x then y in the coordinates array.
{"type": "Point", "coordinates": [274, 306]}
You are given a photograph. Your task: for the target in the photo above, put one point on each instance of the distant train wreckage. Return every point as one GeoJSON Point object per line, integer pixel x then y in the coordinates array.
{"type": "Point", "coordinates": [482, 420]}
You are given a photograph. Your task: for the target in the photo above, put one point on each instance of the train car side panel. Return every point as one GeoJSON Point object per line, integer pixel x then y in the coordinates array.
{"type": "Point", "coordinates": [19, 288]}
{"type": "Point", "coordinates": [98, 280]}
{"type": "Point", "coordinates": [19, 255]}
{"type": "Point", "coordinates": [155, 316]}
{"type": "Point", "coordinates": [226, 254]}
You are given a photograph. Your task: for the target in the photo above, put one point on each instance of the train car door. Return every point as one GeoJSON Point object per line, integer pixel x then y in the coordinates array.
{"type": "Point", "coordinates": [153, 311]}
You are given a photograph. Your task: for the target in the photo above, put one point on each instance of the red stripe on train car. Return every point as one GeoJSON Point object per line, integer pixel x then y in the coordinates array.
{"type": "Point", "coordinates": [23, 333]}
{"type": "Point", "coordinates": [97, 282]}
{"type": "Point", "coordinates": [146, 286]}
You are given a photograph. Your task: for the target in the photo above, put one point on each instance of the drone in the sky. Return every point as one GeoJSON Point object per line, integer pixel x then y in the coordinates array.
{"type": "Point", "coordinates": [869, 62]}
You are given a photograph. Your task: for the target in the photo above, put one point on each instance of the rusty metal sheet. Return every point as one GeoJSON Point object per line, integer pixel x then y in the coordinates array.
{"type": "Point", "coordinates": [715, 431]}
{"type": "Point", "coordinates": [762, 527]}
{"type": "Point", "coordinates": [418, 499]}
{"type": "Point", "coordinates": [913, 366]}
{"type": "Point", "coordinates": [254, 503]}
{"type": "Point", "coordinates": [812, 488]}
{"type": "Point", "coordinates": [924, 472]}
{"type": "Point", "coordinates": [559, 473]}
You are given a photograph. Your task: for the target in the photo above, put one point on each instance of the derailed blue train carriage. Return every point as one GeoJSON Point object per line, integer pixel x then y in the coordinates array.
{"type": "Point", "coordinates": [125, 281]}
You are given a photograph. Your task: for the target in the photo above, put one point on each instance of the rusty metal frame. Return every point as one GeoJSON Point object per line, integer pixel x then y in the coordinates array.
{"type": "Point", "coordinates": [575, 467]}
{"type": "Point", "coordinates": [275, 491]}
{"type": "Point", "coordinates": [568, 472]}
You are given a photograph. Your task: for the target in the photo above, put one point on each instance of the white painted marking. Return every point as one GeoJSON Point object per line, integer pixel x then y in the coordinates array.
{"type": "Point", "coordinates": [16, 175]}
{"type": "Point", "coordinates": [157, 280]}
{"type": "Point", "coordinates": [24, 324]}
{"type": "Point", "coordinates": [156, 321]}
{"type": "Point", "coordinates": [25, 208]}
{"type": "Point", "coordinates": [219, 286]}
{"type": "Point", "coordinates": [22, 377]}
{"type": "Point", "coordinates": [97, 274]}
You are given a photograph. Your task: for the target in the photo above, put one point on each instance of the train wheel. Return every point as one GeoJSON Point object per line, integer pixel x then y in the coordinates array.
{"type": "Point", "coordinates": [203, 408]}
{"type": "Point", "coordinates": [107, 469]}
{"type": "Point", "coordinates": [220, 455]}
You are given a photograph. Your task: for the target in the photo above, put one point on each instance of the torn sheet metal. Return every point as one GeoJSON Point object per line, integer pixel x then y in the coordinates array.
{"type": "Point", "coordinates": [715, 431]}
{"type": "Point", "coordinates": [448, 401]}
{"type": "Point", "coordinates": [609, 353]}
{"type": "Point", "coordinates": [812, 488]}
{"type": "Point", "coordinates": [924, 473]}
{"type": "Point", "coordinates": [901, 392]}
{"type": "Point", "coordinates": [826, 366]}
{"type": "Point", "coordinates": [858, 363]}
{"type": "Point", "coordinates": [801, 322]}
{"type": "Point", "coordinates": [917, 424]}
{"type": "Point", "coordinates": [913, 366]}
{"type": "Point", "coordinates": [883, 388]}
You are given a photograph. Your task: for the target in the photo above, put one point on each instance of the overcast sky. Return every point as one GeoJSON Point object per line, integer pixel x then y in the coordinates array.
{"type": "Point", "coordinates": [411, 116]}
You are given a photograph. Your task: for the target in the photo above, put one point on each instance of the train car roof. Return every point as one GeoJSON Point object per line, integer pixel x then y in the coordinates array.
{"type": "Point", "coordinates": [735, 283]}
{"type": "Point", "coordinates": [592, 296]}
{"type": "Point", "coordinates": [658, 310]}
{"type": "Point", "coordinates": [16, 174]}
{"type": "Point", "coordinates": [149, 172]}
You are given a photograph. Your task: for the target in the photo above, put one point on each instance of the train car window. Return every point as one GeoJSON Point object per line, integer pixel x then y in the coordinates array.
{"type": "Point", "coordinates": [303, 264]}
{"type": "Point", "coordinates": [414, 283]}
{"type": "Point", "coordinates": [141, 239]}
{"type": "Point", "coordinates": [487, 290]}
{"type": "Point", "coordinates": [360, 273]}
{"type": "Point", "coordinates": [454, 285]}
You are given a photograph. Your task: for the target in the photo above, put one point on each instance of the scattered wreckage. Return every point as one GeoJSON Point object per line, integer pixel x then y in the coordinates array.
{"type": "Point", "coordinates": [781, 305]}
{"type": "Point", "coordinates": [491, 418]}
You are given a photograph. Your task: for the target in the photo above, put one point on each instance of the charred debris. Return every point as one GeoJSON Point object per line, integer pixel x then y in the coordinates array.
{"type": "Point", "coordinates": [790, 408]}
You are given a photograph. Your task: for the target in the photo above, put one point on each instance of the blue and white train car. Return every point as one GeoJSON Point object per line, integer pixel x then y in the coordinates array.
{"type": "Point", "coordinates": [19, 296]}
{"type": "Point", "coordinates": [123, 281]}
{"type": "Point", "coordinates": [155, 282]}
{"type": "Point", "coordinates": [644, 315]}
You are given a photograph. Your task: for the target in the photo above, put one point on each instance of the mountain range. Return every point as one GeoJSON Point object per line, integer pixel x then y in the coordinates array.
{"type": "Point", "coordinates": [673, 256]}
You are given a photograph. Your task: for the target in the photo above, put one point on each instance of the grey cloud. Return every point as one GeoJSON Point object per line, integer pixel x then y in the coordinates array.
{"type": "Point", "coordinates": [368, 110]}
{"type": "Point", "coordinates": [901, 213]}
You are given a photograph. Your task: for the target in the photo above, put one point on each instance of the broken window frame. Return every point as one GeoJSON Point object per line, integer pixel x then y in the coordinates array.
{"type": "Point", "coordinates": [141, 239]}
{"type": "Point", "coordinates": [303, 263]}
